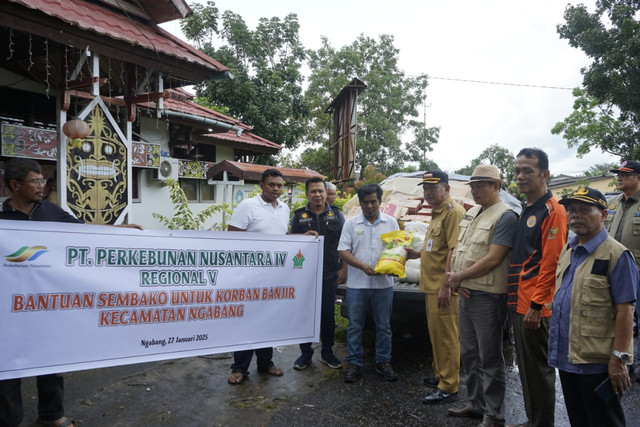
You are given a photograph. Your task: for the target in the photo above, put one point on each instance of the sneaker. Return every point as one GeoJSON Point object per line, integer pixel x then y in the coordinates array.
{"type": "Point", "coordinates": [331, 361]}
{"type": "Point", "coordinates": [352, 374]}
{"type": "Point", "coordinates": [387, 371]}
{"type": "Point", "coordinates": [302, 362]}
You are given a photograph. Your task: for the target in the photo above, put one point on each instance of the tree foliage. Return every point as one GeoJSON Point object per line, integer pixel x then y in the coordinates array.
{"type": "Point", "coordinates": [184, 218]}
{"type": "Point", "coordinates": [497, 156]}
{"type": "Point", "coordinates": [266, 91]}
{"type": "Point", "coordinates": [319, 159]}
{"type": "Point", "coordinates": [385, 108]}
{"type": "Point", "coordinates": [600, 169]}
{"type": "Point", "coordinates": [595, 124]}
{"type": "Point", "coordinates": [607, 112]}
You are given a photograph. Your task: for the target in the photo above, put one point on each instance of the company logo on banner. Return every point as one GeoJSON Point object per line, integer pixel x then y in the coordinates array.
{"type": "Point", "coordinates": [298, 260]}
{"type": "Point", "coordinates": [27, 253]}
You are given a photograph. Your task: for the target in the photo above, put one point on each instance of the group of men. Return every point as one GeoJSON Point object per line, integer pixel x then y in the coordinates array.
{"type": "Point", "coordinates": [571, 304]}
{"type": "Point", "coordinates": [355, 242]}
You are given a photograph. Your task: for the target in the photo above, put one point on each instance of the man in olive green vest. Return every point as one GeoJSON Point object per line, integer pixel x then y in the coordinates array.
{"type": "Point", "coordinates": [441, 305]}
{"type": "Point", "coordinates": [623, 220]}
{"type": "Point", "coordinates": [590, 334]}
{"type": "Point", "coordinates": [479, 274]}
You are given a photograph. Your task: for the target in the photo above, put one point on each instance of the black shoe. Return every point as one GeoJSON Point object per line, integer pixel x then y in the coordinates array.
{"type": "Point", "coordinates": [331, 361]}
{"type": "Point", "coordinates": [439, 396]}
{"type": "Point", "coordinates": [431, 382]}
{"type": "Point", "coordinates": [352, 374]}
{"type": "Point", "coordinates": [387, 371]}
{"type": "Point", "coordinates": [302, 362]}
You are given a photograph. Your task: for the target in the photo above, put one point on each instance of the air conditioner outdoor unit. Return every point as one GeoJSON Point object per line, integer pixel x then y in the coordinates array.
{"type": "Point", "coordinates": [168, 169]}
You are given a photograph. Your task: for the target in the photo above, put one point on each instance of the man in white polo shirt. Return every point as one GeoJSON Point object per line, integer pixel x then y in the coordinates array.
{"type": "Point", "coordinates": [264, 213]}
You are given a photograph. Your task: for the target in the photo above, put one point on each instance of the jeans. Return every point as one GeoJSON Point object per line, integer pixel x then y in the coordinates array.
{"type": "Point", "coordinates": [327, 316]}
{"type": "Point", "coordinates": [50, 396]}
{"type": "Point", "coordinates": [381, 303]}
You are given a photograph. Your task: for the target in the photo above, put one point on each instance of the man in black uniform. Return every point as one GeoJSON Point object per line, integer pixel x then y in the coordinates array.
{"type": "Point", "coordinates": [319, 218]}
{"type": "Point", "coordinates": [24, 178]}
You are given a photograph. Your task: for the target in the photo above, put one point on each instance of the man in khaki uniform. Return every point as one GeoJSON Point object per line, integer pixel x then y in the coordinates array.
{"type": "Point", "coordinates": [487, 233]}
{"type": "Point", "coordinates": [623, 220]}
{"type": "Point", "coordinates": [441, 304]}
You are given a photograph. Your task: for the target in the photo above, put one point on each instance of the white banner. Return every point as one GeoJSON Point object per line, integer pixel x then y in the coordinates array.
{"type": "Point", "coordinates": [76, 296]}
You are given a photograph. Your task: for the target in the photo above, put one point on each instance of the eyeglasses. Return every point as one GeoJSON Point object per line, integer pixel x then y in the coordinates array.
{"type": "Point", "coordinates": [625, 175]}
{"type": "Point", "coordinates": [36, 181]}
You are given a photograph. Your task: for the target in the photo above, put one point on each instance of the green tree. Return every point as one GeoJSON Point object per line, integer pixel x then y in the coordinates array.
{"type": "Point", "coordinates": [385, 108]}
{"type": "Point", "coordinates": [600, 169]}
{"type": "Point", "coordinates": [184, 218]}
{"type": "Point", "coordinates": [594, 124]}
{"type": "Point", "coordinates": [497, 156]}
{"type": "Point", "coordinates": [607, 111]}
{"type": "Point", "coordinates": [266, 91]}
{"type": "Point", "coordinates": [424, 139]}
{"type": "Point", "coordinates": [370, 175]}
{"type": "Point", "coordinates": [319, 159]}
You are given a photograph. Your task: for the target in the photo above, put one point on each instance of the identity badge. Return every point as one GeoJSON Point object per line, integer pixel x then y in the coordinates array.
{"type": "Point", "coordinates": [429, 245]}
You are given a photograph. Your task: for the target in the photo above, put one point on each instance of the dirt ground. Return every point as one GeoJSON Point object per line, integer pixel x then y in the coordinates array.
{"type": "Point", "coordinates": [194, 392]}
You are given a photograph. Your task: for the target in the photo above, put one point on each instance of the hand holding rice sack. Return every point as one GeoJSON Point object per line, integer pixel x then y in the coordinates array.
{"type": "Point", "coordinates": [393, 256]}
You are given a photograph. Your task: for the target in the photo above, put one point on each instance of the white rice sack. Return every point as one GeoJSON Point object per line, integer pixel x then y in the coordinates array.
{"type": "Point", "coordinates": [418, 230]}
{"type": "Point", "coordinates": [412, 270]}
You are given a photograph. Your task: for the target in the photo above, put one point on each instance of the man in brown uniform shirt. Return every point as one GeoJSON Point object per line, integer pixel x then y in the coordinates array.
{"type": "Point", "coordinates": [441, 305]}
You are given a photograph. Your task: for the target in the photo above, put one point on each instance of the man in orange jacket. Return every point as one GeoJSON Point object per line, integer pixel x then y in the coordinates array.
{"type": "Point", "coordinates": [540, 237]}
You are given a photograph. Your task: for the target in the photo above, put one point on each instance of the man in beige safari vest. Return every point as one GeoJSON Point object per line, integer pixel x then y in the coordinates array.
{"type": "Point", "coordinates": [487, 233]}
{"type": "Point", "coordinates": [590, 338]}
{"type": "Point", "coordinates": [623, 220]}
{"type": "Point", "coordinates": [441, 304]}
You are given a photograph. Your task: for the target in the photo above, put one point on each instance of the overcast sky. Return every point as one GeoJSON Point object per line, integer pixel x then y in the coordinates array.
{"type": "Point", "coordinates": [486, 40]}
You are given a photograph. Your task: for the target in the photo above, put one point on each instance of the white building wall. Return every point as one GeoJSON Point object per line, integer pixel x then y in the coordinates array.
{"type": "Point", "coordinates": [154, 195]}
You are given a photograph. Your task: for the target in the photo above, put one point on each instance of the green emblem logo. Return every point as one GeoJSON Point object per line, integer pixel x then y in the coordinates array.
{"type": "Point", "coordinates": [298, 260]}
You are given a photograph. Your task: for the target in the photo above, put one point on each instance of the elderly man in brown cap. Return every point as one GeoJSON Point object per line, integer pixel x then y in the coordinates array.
{"type": "Point", "coordinates": [487, 233]}
{"type": "Point", "coordinates": [441, 305]}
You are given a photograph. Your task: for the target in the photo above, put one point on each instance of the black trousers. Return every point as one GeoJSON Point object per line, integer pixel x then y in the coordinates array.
{"type": "Point", "coordinates": [242, 359]}
{"type": "Point", "coordinates": [50, 399]}
{"type": "Point", "coordinates": [585, 409]}
{"type": "Point", "coordinates": [327, 317]}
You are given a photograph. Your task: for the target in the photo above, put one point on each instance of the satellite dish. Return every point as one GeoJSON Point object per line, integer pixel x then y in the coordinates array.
{"type": "Point", "coordinates": [165, 168]}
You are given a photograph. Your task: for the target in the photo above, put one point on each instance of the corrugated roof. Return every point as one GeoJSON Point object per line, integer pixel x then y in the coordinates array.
{"type": "Point", "coordinates": [180, 100]}
{"type": "Point", "coordinates": [107, 22]}
{"type": "Point", "coordinates": [252, 172]}
{"type": "Point", "coordinates": [246, 138]}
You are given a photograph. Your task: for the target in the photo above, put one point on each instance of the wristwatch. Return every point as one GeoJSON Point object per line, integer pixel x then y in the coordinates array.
{"type": "Point", "coordinates": [624, 357]}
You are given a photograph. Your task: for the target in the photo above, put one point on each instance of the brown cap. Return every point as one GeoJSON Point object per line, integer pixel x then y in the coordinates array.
{"type": "Point", "coordinates": [485, 173]}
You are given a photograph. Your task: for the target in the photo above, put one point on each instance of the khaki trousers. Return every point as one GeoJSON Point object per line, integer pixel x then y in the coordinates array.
{"type": "Point", "coordinates": [445, 342]}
